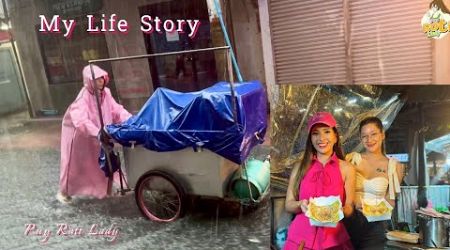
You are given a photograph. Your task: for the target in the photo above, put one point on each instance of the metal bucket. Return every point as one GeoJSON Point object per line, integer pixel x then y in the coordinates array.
{"type": "Point", "coordinates": [252, 180]}
{"type": "Point", "coordinates": [433, 231]}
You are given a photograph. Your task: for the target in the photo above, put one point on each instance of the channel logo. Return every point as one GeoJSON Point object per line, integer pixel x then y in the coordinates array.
{"type": "Point", "coordinates": [435, 23]}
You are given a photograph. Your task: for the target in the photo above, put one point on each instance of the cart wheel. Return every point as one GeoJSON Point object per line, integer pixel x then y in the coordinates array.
{"type": "Point", "coordinates": [159, 197]}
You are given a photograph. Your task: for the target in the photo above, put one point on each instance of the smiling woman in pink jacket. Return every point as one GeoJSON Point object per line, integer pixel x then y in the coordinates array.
{"type": "Point", "coordinates": [80, 148]}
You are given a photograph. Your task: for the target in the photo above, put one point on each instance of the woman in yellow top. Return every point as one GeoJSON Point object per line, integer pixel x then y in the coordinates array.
{"type": "Point", "coordinates": [378, 180]}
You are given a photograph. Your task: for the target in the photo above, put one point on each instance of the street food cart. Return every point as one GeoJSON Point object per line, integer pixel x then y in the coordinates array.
{"type": "Point", "coordinates": [195, 143]}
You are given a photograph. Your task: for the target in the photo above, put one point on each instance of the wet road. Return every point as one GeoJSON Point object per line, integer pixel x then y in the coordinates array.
{"type": "Point", "coordinates": [29, 179]}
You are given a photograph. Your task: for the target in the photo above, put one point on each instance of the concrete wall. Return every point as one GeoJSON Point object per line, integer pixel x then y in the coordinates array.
{"type": "Point", "coordinates": [266, 41]}
{"type": "Point", "coordinates": [24, 33]}
{"type": "Point", "coordinates": [132, 77]}
{"type": "Point", "coordinates": [247, 38]}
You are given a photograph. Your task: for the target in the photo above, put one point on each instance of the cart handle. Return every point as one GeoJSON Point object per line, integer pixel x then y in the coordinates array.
{"type": "Point", "coordinates": [120, 58]}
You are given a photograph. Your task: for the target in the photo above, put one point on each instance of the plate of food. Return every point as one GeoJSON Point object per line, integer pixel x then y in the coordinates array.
{"type": "Point", "coordinates": [403, 236]}
{"type": "Point", "coordinates": [376, 209]}
{"type": "Point", "coordinates": [325, 211]}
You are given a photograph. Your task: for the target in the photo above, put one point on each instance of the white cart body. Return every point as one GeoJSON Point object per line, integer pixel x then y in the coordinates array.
{"type": "Point", "coordinates": [199, 173]}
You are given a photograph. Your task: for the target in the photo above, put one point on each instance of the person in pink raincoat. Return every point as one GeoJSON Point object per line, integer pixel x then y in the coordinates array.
{"type": "Point", "coordinates": [80, 147]}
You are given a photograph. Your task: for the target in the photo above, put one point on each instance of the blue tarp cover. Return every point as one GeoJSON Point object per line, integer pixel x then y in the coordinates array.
{"type": "Point", "coordinates": [171, 120]}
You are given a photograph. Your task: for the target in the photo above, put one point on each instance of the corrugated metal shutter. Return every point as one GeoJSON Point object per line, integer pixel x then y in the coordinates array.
{"type": "Point", "coordinates": [308, 41]}
{"type": "Point", "coordinates": [387, 43]}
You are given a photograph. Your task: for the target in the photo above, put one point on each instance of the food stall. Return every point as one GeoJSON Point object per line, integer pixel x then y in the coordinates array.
{"type": "Point", "coordinates": [413, 116]}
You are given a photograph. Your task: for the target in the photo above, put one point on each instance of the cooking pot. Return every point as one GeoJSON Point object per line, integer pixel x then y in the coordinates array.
{"type": "Point", "coordinates": [433, 231]}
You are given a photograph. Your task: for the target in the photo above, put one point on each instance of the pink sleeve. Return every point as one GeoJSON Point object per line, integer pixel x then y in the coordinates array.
{"type": "Point", "coordinates": [80, 120]}
{"type": "Point", "coordinates": [119, 113]}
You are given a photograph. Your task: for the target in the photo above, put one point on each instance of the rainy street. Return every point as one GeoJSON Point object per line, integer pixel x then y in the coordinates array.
{"type": "Point", "coordinates": [32, 217]}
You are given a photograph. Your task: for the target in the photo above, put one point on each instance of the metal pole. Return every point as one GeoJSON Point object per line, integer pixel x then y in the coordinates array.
{"type": "Point", "coordinates": [233, 93]}
{"type": "Point", "coordinates": [99, 108]}
{"type": "Point", "coordinates": [422, 191]}
{"type": "Point", "coordinates": [121, 183]}
{"type": "Point", "coordinates": [158, 54]}
{"type": "Point", "coordinates": [227, 40]}
{"type": "Point", "coordinates": [97, 98]}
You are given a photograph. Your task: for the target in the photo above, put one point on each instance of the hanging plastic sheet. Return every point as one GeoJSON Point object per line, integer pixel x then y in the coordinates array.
{"type": "Point", "coordinates": [173, 120]}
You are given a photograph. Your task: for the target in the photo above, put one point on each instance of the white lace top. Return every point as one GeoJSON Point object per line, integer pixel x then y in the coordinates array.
{"type": "Point", "coordinates": [375, 188]}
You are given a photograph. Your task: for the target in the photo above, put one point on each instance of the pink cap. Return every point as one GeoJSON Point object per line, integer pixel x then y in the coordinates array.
{"type": "Point", "coordinates": [322, 118]}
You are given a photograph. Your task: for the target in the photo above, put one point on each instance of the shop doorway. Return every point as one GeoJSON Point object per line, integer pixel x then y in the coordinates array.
{"type": "Point", "coordinates": [189, 72]}
{"type": "Point", "coordinates": [11, 95]}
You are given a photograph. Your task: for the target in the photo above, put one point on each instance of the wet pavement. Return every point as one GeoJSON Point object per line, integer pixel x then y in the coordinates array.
{"type": "Point", "coordinates": [32, 218]}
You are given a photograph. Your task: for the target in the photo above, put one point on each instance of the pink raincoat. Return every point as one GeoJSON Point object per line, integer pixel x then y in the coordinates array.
{"type": "Point", "coordinates": [80, 148]}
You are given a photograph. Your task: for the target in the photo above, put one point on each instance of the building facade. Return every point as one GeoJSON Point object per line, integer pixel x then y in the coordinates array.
{"type": "Point", "coordinates": [52, 62]}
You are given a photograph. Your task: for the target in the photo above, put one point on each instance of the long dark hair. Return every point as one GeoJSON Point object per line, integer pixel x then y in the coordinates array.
{"type": "Point", "coordinates": [440, 4]}
{"type": "Point", "coordinates": [309, 152]}
{"type": "Point", "coordinates": [378, 123]}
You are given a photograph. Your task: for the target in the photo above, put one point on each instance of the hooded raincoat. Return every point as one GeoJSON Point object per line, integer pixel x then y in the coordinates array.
{"type": "Point", "coordinates": [80, 148]}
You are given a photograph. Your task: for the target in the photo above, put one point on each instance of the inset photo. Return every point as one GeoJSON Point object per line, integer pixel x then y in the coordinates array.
{"type": "Point", "coordinates": [355, 166]}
